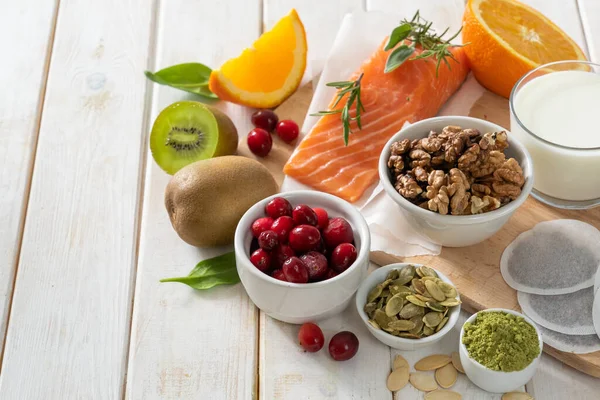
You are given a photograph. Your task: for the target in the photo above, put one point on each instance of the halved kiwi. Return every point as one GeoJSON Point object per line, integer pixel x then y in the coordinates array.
{"type": "Point", "coordinates": [189, 131]}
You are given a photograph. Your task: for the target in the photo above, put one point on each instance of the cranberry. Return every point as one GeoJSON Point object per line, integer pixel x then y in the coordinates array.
{"type": "Point", "coordinates": [268, 240]}
{"type": "Point", "coordinates": [261, 225]}
{"type": "Point", "coordinates": [280, 254]}
{"type": "Point", "coordinates": [316, 264]}
{"type": "Point", "coordinates": [343, 256]}
{"type": "Point", "coordinates": [311, 337]}
{"type": "Point", "coordinates": [278, 274]}
{"type": "Point", "coordinates": [294, 270]}
{"type": "Point", "coordinates": [265, 119]}
{"type": "Point", "coordinates": [260, 142]}
{"type": "Point", "coordinates": [343, 346]}
{"type": "Point", "coordinates": [261, 260]}
{"type": "Point", "coordinates": [282, 227]}
{"type": "Point", "coordinates": [322, 217]}
{"type": "Point", "coordinates": [304, 215]}
{"type": "Point", "coordinates": [287, 130]}
{"type": "Point", "coordinates": [330, 274]}
{"type": "Point", "coordinates": [278, 207]}
{"type": "Point", "coordinates": [304, 238]}
{"type": "Point", "coordinates": [338, 231]}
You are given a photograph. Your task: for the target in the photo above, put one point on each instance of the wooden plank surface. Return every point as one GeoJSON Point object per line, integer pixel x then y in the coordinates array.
{"type": "Point", "coordinates": [69, 326]}
{"type": "Point", "coordinates": [26, 37]}
{"type": "Point", "coordinates": [188, 344]}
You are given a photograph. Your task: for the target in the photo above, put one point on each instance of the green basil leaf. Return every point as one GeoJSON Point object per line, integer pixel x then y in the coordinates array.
{"type": "Point", "coordinates": [190, 77]}
{"type": "Point", "coordinates": [397, 57]}
{"type": "Point", "coordinates": [398, 34]}
{"type": "Point", "coordinates": [215, 271]}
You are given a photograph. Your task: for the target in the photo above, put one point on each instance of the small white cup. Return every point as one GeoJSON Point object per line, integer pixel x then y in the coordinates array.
{"type": "Point", "coordinates": [498, 381]}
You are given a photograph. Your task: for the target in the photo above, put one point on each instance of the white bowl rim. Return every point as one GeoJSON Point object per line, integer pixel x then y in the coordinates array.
{"type": "Point", "coordinates": [362, 229]}
{"type": "Point", "coordinates": [513, 312]}
{"type": "Point", "coordinates": [424, 340]}
{"type": "Point", "coordinates": [506, 209]}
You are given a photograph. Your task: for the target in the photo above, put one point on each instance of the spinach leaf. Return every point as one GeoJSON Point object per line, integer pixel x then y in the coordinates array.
{"type": "Point", "coordinates": [190, 77]}
{"type": "Point", "coordinates": [215, 271]}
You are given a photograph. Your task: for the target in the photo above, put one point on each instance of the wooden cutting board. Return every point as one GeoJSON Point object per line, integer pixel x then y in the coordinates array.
{"type": "Point", "coordinates": [476, 269]}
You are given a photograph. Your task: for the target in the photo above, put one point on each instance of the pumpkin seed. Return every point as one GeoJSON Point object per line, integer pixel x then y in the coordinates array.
{"type": "Point", "coordinates": [398, 378]}
{"type": "Point", "coordinates": [408, 335]}
{"type": "Point", "coordinates": [516, 396]}
{"type": "Point", "coordinates": [443, 395]}
{"type": "Point", "coordinates": [450, 302]}
{"type": "Point", "coordinates": [400, 362]}
{"type": "Point", "coordinates": [456, 362]}
{"type": "Point", "coordinates": [391, 331]}
{"type": "Point", "coordinates": [394, 305]}
{"type": "Point", "coordinates": [429, 278]}
{"type": "Point", "coordinates": [432, 319]}
{"type": "Point", "coordinates": [423, 382]}
{"type": "Point", "coordinates": [385, 293]}
{"type": "Point", "coordinates": [385, 283]}
{"type": "Point", "coordinates": [410, 310]}
{"type": "Point", "coordinates": [442, 323]}
{"type": "Point", "coordinates": [427, 331]}
{"type": "Point", "coordinates": [380, 303]}
{"type": "Point", "coordinates": [374, 324]}
{"type": "Point", "coordinates": [423, 298]}
{"type": "Point", "coordinates": [381, 318]}
{"type": "Point", "coordinates": [432, 362]}
{"type": "Point", "coordinates": [393, 274]}
{"type": "Point", "coordinates": [434, 306]}
{"type": "Point", "coordinates": [418, 325]}
{"type": "Point", "coordinates": [446, 376]}
{"type": "Point", "coordinates": [402, 325]}
{"type": "Point", "coordinates": [399, 289]}
{"type": "Point", "coordinates": [419, 272]}
{"type": "Point", "coordinates": [370, 307]}
{"type": "Point", "coordinates": [405, 275]}
{"type": "Point", "coordinates": [448, 289]}
{"type": "Point", "coordinates": [435, 290]}
{"type": "Point", "coordinates": [374, 293]}
{"type": "Point", "coordinates": [419, 286]}
{"type": "Point", "coordinates": [415, 301]}
{"type": "Point", "coordinates": [426, 271]}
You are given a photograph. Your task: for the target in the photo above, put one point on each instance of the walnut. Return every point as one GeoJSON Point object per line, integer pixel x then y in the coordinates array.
{"type": "Point", "coordinates": [420, 158]}
{"type": "Point", "coordinates": [440, 201]}
{"type": "Point", "coordinates": [432, 143]}
{"type": "Point", "coordinates": [401, 147]}
{"type": "Point", "coordinates": [454, 147]}
{"type": "Point", "coordinates": [450, 129]}
{"type": "Point", "coordinates": [510, 171]}
{"type": "Point", "coordinates": [459, 184]}
{"type": "Point", "coordinates": [420, 174]}
{"type": "Point", "coordinates": [396, 164]}
{"type": "Point", "coordinates": [437, 159]}
{"type": "Point", "coordinates": [480, 190]}
{"type": "Point", "coordinates": [469, 158]}
{"type": "Point", "coordinates": [485, 204]}
{"type": "Point", "coordinates": [407, 186]}
{"type": "Point", "coordinates": [472, 134]}
{"type": "Point", "coordinates": [487, 167]}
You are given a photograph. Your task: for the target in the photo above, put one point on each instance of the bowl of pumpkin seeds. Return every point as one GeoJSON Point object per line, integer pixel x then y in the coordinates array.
{"type": "Point", "coordinates": [408, 306]}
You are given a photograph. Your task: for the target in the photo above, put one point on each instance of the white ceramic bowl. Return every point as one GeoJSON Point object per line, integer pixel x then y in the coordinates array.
{"type": "Point", "coordinates": [456, 230]}
{"type": "Point", "coordinates": [293, 302]}
{"type": "Point", "coordinates": [396, 342]}
{"type": "Point", "coordinates": [498, 381]}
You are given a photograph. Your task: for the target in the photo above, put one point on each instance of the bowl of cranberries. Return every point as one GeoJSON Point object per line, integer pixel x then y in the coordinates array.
{"type": "Point", "coordinates": [301, 255]}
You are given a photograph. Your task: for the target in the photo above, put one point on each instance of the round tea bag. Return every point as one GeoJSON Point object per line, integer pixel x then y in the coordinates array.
{"type": "Point", "coordinates": [578, 344]}
{"type": "Point", "coordinates": [555, 257]}
{"type": "Point", "coordinates": [569, 313]}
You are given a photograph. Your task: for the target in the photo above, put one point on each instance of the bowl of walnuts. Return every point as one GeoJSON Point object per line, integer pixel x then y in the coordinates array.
{"type": "Point", "coordinates": [457, 179]}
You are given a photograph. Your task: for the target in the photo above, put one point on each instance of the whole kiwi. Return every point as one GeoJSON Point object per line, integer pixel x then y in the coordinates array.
{"type": "Point", "coordinates": [206, 199]}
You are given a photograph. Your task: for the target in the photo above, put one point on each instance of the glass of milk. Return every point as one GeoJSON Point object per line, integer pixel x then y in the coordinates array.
{"type": "Point", "coordinates": [555, 113]}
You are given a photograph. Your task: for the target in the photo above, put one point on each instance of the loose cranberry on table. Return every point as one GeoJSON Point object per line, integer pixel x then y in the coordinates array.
{"type": "Point", "coordinates": [322, 217]}
{"type": "Point", "coordinates": [304, 238]}
{"type": "Point", "coordinates": [338, 231]}
{"type": "Point", "coordinates": [280, 254]}
{"type": "Point", "coordinates": [261, 225]}
{"type": "Point", "coordinates": [282, 226]}
{"type": "Point", "coordinates": [278, 207]}
{"type": "Point", "coordinates": [261, 259]}
{"type": "Point", "coordinates": [265, 119]}
{"type": "Point", "coordinates": [311, 337]}
{"type": "Point", "coordinates": [343, 256]}
{"type": "Point", "coordinates": [316, 264]}
{"type": "Point", "coordinates": [268, 240]}
{"type": "Point", "coordinates": [278, 274]}
{"type": "Point", "coordinates": [294, 270]}
{"type": "Point", "coordinates": [343, 346]}
{"type": "Point", "coordinates": [304, 215]}
{"type": "Point", "coordinates": [260, 142]}
{"type": "Point", "coordinates": [287, 130]}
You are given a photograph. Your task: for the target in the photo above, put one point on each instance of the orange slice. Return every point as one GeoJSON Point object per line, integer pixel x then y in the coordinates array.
{"type": "Point", "coordinates": [264, 75]}
{"type": "Point", "coordinates": [508, 38]}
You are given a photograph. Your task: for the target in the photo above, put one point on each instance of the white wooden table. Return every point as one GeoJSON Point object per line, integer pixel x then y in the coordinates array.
{"type": "Point", "coordinates": [84, 237]}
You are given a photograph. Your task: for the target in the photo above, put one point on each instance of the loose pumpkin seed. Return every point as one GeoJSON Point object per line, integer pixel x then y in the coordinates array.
{"type": "Point", "coordinates": [456, 362]}
{"type": "Point", "coordinates": [443, 395]}
{"type": "Point", "coordinates": [446, 376]}
{"type": "Point", "coordinates": [423, 382]}
{"type": "Point", "coordinates": [402, 325]}
{"type": "Point", "coordinates": [374, 293]}
{"type": "Point", "coordinates": [435, 290]}
{"type": "Point", "coordinates": [398, 378]}
{"type": "Point", "coordinates": [432, 362]}
{"type": "Point", "coordinates": [442, 323]}
{"type": "Point", "coordinates": [516, 396]}
{"type": "Point", "coordinates": [394, 305]}
{"type": "Point", "coordinates": [432, 319]}
{"type": "Point", "coordinates": [400, 362]}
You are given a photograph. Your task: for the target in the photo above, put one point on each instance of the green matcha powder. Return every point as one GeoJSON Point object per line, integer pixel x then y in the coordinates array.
{"type": "Point", "coordinates": [501, 341]}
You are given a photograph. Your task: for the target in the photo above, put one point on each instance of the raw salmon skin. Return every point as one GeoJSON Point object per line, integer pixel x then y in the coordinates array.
{"type": "Point", "coordinates": [410, 93]}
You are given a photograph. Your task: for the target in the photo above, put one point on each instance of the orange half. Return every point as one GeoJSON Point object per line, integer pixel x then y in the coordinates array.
{"type": "Point", "coordinates": [507, 39]}
{"type": "Point", "coordinates": [264, 75]}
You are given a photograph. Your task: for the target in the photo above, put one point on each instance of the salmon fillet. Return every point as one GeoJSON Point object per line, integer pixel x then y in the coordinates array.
{"type": "Point", "coordinates": [409, 93]}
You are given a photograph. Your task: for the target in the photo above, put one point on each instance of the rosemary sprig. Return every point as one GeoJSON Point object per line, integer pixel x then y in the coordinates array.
{"type": "Point", "coordinates": [352, 89]}
{"type": "Point", "coordinates": [418, 32]}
